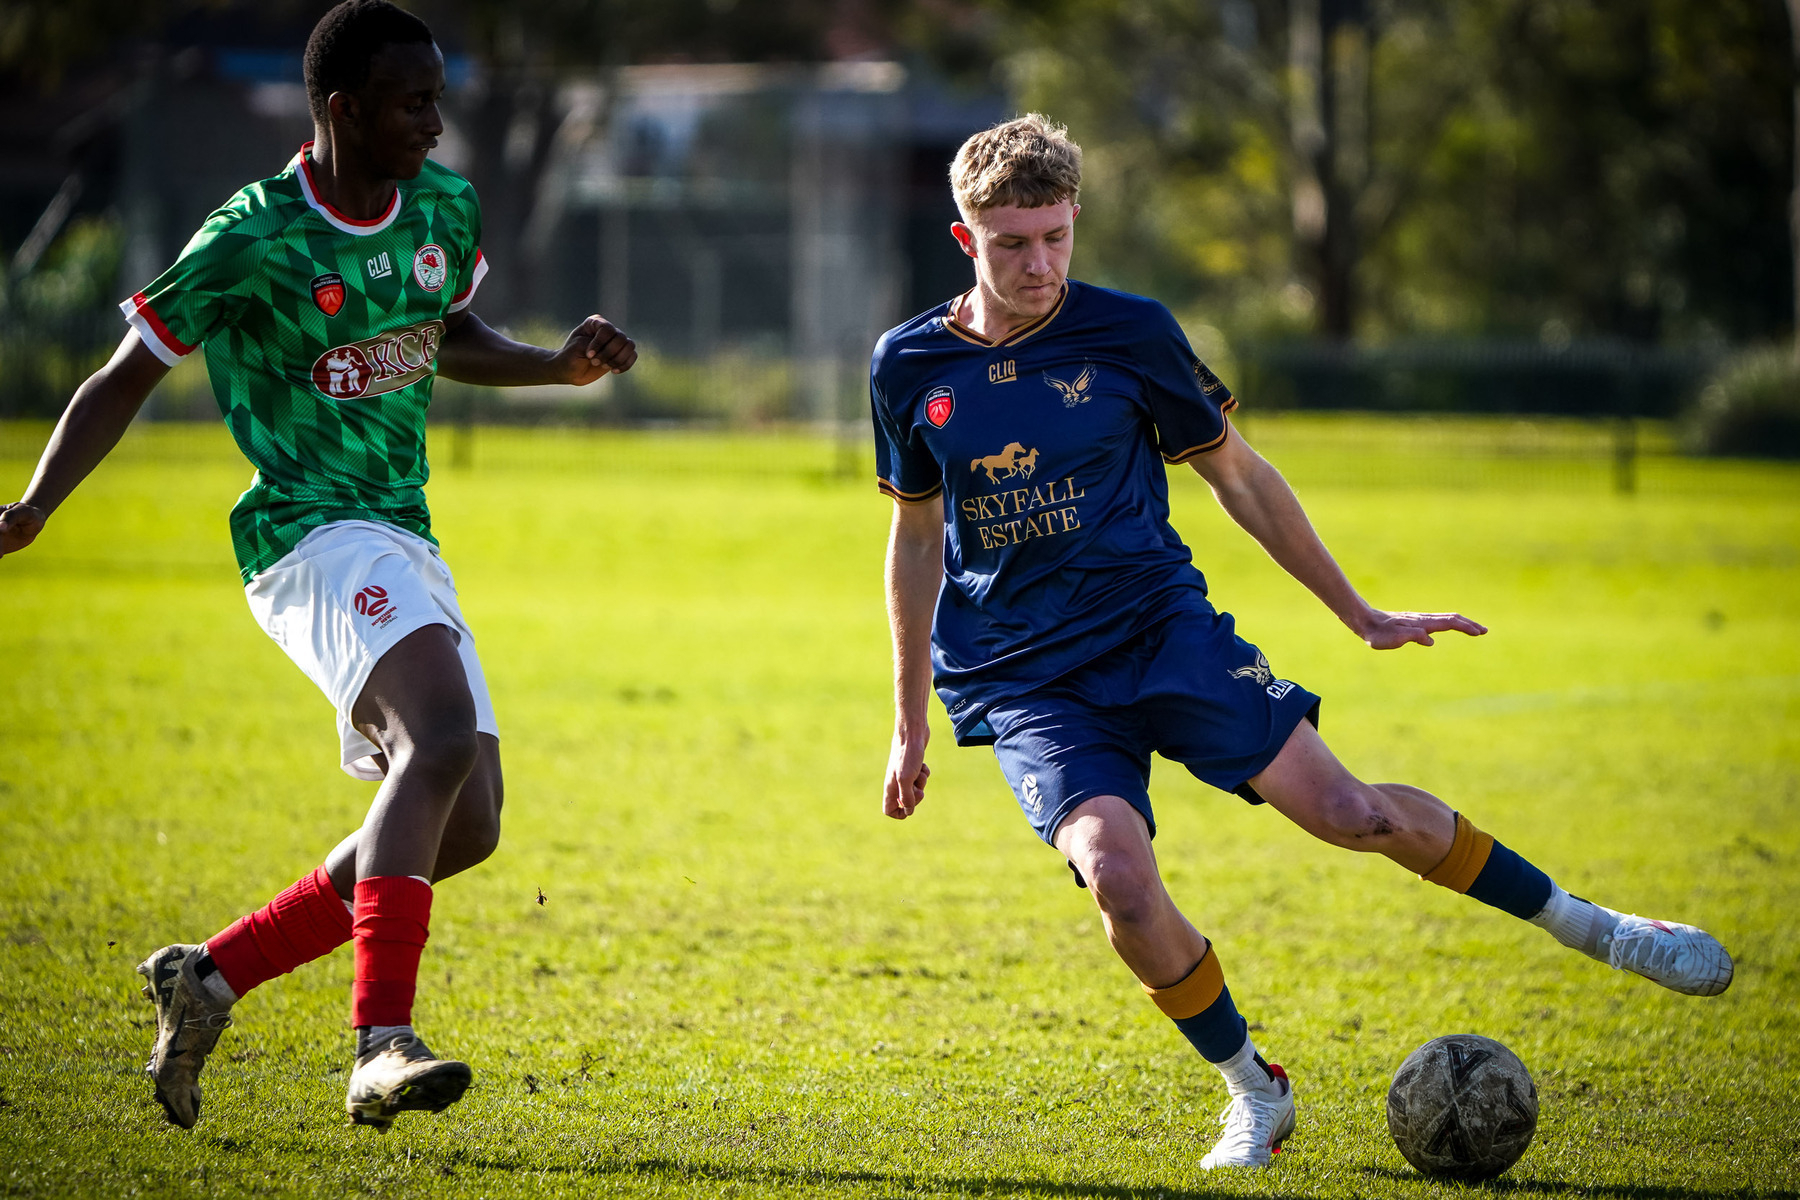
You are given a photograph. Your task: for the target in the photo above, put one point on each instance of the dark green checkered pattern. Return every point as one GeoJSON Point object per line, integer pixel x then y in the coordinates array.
{"type": "Point", "coordinates": [243, 289]}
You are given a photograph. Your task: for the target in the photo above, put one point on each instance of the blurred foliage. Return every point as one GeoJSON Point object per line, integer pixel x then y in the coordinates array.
{"type": "Point", "coordinates": [1553, 168]}
{"type": "Point", "coordinates": [1752, 408]}
{"type": "Point", "coordinates": [58, 324]}
{"type": "Point", "coordinates": [40, 40]}
{"type": "Point", "coordinates": [1382, 170]}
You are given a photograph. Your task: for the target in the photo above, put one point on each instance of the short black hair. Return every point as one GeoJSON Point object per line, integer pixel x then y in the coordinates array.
{"type": "Point", "coordinates": [344, 43]}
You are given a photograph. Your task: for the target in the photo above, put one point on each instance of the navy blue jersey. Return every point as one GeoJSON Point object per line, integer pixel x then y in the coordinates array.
{"type": "Point", "coordinates": [1048, 447]}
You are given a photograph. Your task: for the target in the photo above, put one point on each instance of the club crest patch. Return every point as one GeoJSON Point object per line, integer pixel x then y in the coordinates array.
{"type": "Point", "coordinates": [328, 293]}
{"type": "Point", "coordinates": [939, 404]}
{"type": "Point", "coordinates": [431, 267]}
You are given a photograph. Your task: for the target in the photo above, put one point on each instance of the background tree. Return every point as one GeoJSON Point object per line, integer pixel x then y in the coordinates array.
{"type": "Point", "coordinates": [1386, 167]}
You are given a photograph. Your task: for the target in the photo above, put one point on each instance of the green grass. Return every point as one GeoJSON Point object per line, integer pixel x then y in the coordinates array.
{"type": "Point", "coordinates": [743, 981]}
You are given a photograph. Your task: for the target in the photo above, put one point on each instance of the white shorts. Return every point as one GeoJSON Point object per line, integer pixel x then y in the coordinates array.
{"type": "Point", "coordinates": [342, 598]}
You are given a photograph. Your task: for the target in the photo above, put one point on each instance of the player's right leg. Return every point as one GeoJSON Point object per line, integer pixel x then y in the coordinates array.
{"type": "Point", "coordinates": [1307, 784]}
{"type": "Point", "coordinates": [1108, 843]}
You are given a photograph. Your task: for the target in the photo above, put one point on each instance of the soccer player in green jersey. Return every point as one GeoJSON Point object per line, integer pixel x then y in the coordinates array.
{"type": "Point", "coordinates": [328, 298]}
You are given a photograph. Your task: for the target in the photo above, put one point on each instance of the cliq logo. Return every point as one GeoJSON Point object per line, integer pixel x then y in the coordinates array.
{"type": "Point", "coordinates": [386, 362]}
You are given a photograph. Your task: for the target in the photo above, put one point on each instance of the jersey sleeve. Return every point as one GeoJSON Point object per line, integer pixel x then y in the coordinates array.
{"type": "Point", "coordinates": [904, 466]}
{"type": "Point", "coordinates": [1187, 401]}
{"type": "Point", "coordinates": [188, 303]}
{"type": "Point", "coordinates": [471, 267]}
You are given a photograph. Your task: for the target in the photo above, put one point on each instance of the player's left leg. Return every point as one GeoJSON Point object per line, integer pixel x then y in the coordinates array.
{"type": "Point", "coordinates": [1307, 784]}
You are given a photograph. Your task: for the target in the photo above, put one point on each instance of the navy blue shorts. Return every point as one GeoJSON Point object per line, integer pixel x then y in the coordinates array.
{"type": "Point", "coordinates": [1188, 688]}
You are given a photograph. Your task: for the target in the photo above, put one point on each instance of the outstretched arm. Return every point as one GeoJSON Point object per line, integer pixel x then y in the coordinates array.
{"type": "Point", "coordinates": [475, 353]}
{"type": "Point", "coordinates": [1255, 495]}
{"type": "Point", "coordinates": [915, 568]}
{"type": "Point", "coordinates": [90, 427]}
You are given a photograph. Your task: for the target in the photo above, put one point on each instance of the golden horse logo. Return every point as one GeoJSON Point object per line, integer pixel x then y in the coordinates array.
{"type": "Point", "coordinates": [1074, 391]}
{"type": "Point", "coordinates": [1013, 462]}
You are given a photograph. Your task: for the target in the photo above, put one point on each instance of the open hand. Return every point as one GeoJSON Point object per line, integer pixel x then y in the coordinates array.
{"type": "Point", "coordinates": [19, 526]}
{"type": "Point", "coordinates": [1390, 630]}
{"type": "Point", "coordinates": [904, 789]}
{"type": "Point", "coordinates": [597, 347]}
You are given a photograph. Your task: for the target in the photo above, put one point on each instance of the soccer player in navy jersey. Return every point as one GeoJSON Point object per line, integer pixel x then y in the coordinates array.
{"type": "Point", "coordinates": [1034, 578]}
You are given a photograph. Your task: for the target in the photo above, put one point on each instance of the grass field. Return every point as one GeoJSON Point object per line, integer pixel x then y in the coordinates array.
{"type": "Point", "coordinates": [743, 981]}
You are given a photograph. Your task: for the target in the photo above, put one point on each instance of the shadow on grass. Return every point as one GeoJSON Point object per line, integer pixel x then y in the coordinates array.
{"type": "Point", "coordinates": [1505, 1186]}
{"type": "Point", "coordinates": [998, 1185]}
{"type": "Point", "coordinates": [906, 1182]}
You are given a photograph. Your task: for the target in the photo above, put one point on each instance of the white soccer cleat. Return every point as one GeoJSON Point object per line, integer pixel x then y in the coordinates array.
{"type": "Point", "coordinates": [402, 1076]}
{"type": "Point", "coordinates": [1255, 1127]}
{"type": "Point", "coordinates": [1680, 957]}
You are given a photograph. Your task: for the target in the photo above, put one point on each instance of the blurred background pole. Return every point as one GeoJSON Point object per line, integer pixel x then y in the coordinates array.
{"type": "Point", "coordinates": [1793, 7]}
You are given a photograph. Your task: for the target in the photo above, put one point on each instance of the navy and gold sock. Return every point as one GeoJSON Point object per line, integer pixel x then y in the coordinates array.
{"type": "Point", "coordinates": [1201, 1007]}
{"type": "Point", "coordinates": [1482, 868]}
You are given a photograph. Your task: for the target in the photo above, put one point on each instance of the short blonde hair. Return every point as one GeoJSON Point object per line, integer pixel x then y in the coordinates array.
{"type": "Point", "coordinates": [1028, 162]}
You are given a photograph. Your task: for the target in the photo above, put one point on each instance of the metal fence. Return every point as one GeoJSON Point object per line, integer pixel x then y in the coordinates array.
{"type": "Point", "coordinates": [1591, 378]}
{"type": "Point", "coordinates": [1574, 456]}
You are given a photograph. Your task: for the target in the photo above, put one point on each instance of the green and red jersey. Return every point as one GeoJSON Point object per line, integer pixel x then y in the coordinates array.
{"type": "Point", "coordinates": [321, 334]}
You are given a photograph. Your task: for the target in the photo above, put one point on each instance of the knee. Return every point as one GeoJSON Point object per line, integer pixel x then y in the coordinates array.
{"type": "Point", "coordinates": [477, 839]}
{"type": "Point", "coordinates": [1355, 816]}
{"type": "Point", "coordinates": [445, 748]}
{"type": "Point", "coordinates": [478, 824]}
{"type": "Point", "coordinates": [1126, 887]}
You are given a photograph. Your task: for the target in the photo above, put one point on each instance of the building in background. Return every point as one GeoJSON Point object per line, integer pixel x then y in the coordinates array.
{"type": "Point", "coordinates": [773, 218]}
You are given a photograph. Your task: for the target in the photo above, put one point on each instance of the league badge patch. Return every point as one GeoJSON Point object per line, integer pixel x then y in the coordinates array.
{"type": "Point", "coordinates": [1209, 383]}
{"type": "Point", "coordinates": [939, 404]}
{"type": "Point", "coordinates": [431, 267]}
{"type": "Point", "coordinates": [328, 292]}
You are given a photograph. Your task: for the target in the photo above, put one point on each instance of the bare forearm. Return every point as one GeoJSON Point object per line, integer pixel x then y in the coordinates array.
{"type": "Point", "coordinates": [1261, 501]}
{"type": "Point", "coordinates": [97, 417]}
{"type": "Point", "coordinates": [473, 352]}
{"type": "Point", "coordinates": [915, 568]}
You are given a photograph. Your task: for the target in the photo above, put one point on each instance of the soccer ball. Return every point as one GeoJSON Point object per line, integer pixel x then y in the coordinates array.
{"type": "Point", "coordinates": [1462, 1107]}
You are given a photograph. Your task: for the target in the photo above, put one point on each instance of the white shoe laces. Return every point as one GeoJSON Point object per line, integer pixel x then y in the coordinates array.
{"type": "Point", "coordinates": [1250, 1122]}
{"type": "Point", "coordinates": [1640, 946]}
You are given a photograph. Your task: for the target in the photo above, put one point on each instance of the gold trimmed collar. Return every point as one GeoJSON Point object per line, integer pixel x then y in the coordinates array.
{"type": "Point", "coordinates": [1012, 339]}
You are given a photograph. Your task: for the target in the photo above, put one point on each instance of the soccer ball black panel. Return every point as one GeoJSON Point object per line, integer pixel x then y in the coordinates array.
{"type": "Point", "coordinates": [1462, 1107]}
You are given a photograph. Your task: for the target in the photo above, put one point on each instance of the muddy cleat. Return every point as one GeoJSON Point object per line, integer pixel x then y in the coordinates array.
{"type": "Point", "coordinates": [402, 1076]}
{"type": "Point", "coordinates": [1255, 1127]}
{"type": "Point", "coordinates": [1680, 957]}
{"type": "Point", "coordinates": [188, 1024]}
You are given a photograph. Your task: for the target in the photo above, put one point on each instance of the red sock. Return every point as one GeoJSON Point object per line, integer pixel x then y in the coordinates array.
{"type": "Point", "coordinates": [305, 922]}
{"type": "Point", "coordinates": [393, 917]}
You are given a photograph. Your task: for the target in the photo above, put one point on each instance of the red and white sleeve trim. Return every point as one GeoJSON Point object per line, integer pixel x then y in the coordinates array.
{"type": "Point", "coordinates": [165, 345]}
{"type": "Point", "coordinates": [461, 300]}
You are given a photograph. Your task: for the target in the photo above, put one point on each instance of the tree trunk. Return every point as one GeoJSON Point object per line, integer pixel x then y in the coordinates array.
{"type": "Point", "coordinates": [1328, 87]}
